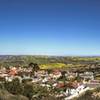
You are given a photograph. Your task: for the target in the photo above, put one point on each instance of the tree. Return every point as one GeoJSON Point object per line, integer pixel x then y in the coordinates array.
{"type": "Point", "coordinates": [36, 92]}
{"type": "Point", "coordinates": [14, 87]}
{"type": "Point", "coordinates": [28, 91]}
{"type": "Point", "coordinates": [35, 67]}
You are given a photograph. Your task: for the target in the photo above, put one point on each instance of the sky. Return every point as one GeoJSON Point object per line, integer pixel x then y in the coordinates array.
{"type": "Point", "coordinates": [50, 27]}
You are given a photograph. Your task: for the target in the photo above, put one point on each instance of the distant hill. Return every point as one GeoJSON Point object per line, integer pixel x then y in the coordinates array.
{"type": "Point", "coordinates": [25, 59]}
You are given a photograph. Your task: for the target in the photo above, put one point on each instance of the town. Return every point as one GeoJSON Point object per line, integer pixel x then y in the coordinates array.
{"type": "Point", "coordinates": [61, 84]}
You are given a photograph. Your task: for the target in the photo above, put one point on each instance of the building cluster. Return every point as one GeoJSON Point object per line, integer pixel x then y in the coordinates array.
{"type": "Point", "coordinates": [68, 84]}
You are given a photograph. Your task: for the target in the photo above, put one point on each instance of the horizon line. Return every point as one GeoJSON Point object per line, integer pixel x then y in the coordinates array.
{"type": "Point", "coordinates": [50, 55]}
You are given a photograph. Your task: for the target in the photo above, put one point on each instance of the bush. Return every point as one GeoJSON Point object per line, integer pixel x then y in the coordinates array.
{"type": "Point", "coordinates": [14, 87]}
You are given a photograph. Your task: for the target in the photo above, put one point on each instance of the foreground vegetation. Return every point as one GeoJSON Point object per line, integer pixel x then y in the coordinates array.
{"type": "Point", "coordinates": [25, 91]}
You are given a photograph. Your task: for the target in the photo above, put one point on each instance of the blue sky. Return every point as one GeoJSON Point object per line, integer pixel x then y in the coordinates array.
{"type": "Point", "coordinates": [50, 27]}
